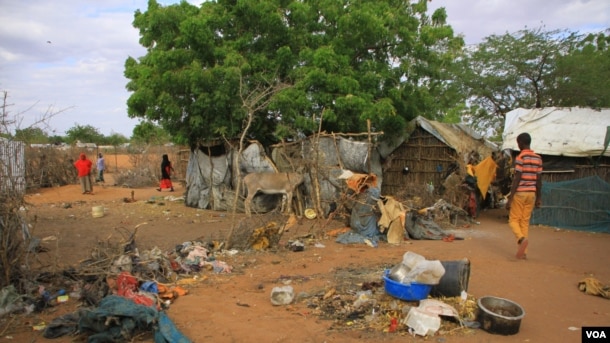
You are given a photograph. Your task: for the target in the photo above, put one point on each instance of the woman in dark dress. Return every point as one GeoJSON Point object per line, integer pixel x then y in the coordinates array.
{"type": "Point", "coordinates": [166, 172]}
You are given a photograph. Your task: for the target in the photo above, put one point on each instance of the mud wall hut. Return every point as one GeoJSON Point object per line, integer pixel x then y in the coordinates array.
{"type": "Point", "coordinates": [428, 152]}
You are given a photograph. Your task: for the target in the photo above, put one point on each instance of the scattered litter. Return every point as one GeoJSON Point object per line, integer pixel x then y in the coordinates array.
{"type": "Point", "coordinates": [415, 268]}
{"type": "Point", "coordinates": [174, 198]}
{"type": "Point", "coordinates": [282, 295]}
{"type": "Point", "coordinates": [39, 327]}
{"type": "Point", "coordinates": [425, 319]}
{"type": "Point", "coordinates": [296, 246]}
{"type": "Point", "coordinates": [310, 213]}
{"type": "Point", "coordinates": [593, 286]}
{"type": "Point", "coordinates": [421, 322]}
{"type": "Point", "coordinates": [364, 298]}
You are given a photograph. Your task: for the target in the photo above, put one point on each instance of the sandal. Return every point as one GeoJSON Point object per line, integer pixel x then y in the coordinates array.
{"type": "Point", "coordinates": [449, 238]}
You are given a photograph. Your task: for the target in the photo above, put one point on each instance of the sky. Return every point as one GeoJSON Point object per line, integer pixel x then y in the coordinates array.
{"type": "Point", "coordinates": [67, 57]}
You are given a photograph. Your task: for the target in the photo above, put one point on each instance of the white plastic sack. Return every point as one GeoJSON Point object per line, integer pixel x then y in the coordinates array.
{"type": "Point", "coordinates": [427, 272]}
{"type": "Point", "coordinates": [422, 323]}
{"type": "Point", "coordinates": [411, 259]}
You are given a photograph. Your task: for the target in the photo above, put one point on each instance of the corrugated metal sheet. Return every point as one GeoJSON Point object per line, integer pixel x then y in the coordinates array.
{"type": "Point", "coordinates": [12, 167]}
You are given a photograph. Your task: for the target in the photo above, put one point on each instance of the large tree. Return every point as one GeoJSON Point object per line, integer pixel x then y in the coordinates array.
{"type": "Point", "coordinates": [510, 71]}
{"type": "Point", "coordinates": [583, 75]}
{"type": "Point", "coordinates": [147, 132]}
{"type": "Point", "coordinates": [84, 134]}
{"type": "Point", "coordinates": [345, 62]}
{"type": "Point", "coordinates": [32, 135]}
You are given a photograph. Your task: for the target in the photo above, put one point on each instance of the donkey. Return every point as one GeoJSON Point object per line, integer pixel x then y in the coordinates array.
{"type": "Point", "coordinates": [271, 183]}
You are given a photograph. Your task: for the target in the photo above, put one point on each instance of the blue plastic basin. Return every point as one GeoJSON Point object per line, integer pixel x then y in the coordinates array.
{"type": "Point", "coordinates": [409, 292]}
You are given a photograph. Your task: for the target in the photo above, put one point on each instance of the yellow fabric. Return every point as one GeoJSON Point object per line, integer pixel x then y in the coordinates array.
{"type": "Point", "coordinates": [470, 169]}
{"type": "Point", "coordinates": [520, 213]}
{"type": "Point", "coordinates": [392, 219]}
{"type": "Point", "coordinates": [485, 173]}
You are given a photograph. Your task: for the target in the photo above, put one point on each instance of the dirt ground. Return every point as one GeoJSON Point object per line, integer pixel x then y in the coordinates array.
{"type": "Point", "coordinates": [236, 307]}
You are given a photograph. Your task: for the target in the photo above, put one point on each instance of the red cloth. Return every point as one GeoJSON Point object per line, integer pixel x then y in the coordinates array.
{"type": "Point", "coordinates": [127, 286]}
{"type": "Point", "coordinates": [83, 165]}
{"type": "Point", "coordinates": [166, 183]}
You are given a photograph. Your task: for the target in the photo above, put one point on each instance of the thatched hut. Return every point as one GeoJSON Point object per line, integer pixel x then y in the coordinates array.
{"type": "Point", "coordinates": [428, 152]}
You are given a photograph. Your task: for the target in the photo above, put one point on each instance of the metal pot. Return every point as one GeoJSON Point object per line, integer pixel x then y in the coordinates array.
{"type": "Point", "coordinates": [399, 272]}
{"type": "Point", "coordinates": [499, 316]}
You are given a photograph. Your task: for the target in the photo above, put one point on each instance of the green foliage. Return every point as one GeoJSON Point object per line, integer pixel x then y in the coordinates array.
{"type": "Point", "coordinates": [31, 135]}
{"type": "Point", "coordinates": [583, 75]}
{"type": "Point", "coordinates": [532, 68]}
{"type": "Point", "coordinates": [55, 139]}
{"type": "Point", "coordinates": [84, 134]}
{"type": "Point", "coordinates": [147, 132]}
{"type": "Point", "coordinates": [114, 139]}
{"type": "Point", "coordinates": [345, 62]}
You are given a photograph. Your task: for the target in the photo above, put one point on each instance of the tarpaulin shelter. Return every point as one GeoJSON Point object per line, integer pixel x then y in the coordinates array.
{"type": "Point", "coordinates": [211, 176]}
{"type": "Point", "coordinates": [573, 142]}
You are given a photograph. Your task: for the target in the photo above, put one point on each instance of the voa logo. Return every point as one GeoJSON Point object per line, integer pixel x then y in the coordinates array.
{"type": "Point", "coordinates": [595, 334]}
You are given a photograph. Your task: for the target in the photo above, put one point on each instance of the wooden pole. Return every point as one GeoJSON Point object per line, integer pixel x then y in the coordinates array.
{"type": "Point", "coordinates": [368, 129]}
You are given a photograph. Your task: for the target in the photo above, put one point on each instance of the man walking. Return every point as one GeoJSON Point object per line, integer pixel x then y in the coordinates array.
{"type": "Point", "coordinates": [101, 166]}
{"type": "Point", "coordinates": [524, 193]}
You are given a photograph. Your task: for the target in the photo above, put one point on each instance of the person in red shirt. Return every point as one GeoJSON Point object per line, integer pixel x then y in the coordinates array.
{"type": "Point", "coordinates": [524, 193]}
{"type": "Point", "coordinates": [83, 166]}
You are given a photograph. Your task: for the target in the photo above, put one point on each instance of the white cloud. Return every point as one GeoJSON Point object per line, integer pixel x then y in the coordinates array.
{"type": "Point", "coordinates": [477, 19]}
{"type": "Point", "coordinates": [69, 54]}
{"type": "Point", "coordinates": [82, 66]}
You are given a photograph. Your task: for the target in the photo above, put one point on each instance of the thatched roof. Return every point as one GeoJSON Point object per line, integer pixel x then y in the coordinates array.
{"type": "Point", "coordinates": [459, 137]}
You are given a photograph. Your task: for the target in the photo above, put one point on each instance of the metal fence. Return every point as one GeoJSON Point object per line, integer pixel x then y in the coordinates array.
{"type": "Point", "coordinates": [12, 167]}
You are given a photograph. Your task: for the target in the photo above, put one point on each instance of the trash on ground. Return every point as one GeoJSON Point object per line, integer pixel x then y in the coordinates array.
{"type": "Point", "coordinates": [593, 286]}
{"type": "Point", "coordinates": [415, 268]}
{"type": "Point", "coordinates": [282, 295]}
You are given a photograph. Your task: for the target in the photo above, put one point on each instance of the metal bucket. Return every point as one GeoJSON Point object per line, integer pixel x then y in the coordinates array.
{"type": "Point", "coordinates": [455, 280]}
{"type": "Point", "coordinates": [499, 316]}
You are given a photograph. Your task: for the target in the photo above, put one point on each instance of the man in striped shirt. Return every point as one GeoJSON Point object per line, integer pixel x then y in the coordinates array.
{"type": "Point", "coordinates": [524, 193]}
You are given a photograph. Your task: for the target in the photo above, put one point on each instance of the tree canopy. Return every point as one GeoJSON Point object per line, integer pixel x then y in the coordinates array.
{"type": "Point", "coordinates": [532, 68]}
{"type": "Point", "coordinates": [345, 62]}
{"type": "Point", "coordinates": [583, 75]}
{"type": "Point", "coordinates": [147, 132]}
{"type": "Point", "coordinates": [90, 134]}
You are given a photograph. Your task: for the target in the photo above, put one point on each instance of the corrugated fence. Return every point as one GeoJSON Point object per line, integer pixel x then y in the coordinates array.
{"type": "Point", "coordinates": [12, 167]}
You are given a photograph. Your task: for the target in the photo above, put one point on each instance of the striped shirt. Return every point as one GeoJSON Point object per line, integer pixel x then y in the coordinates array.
{"type": "Point", "coordinates": [529, 165]}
